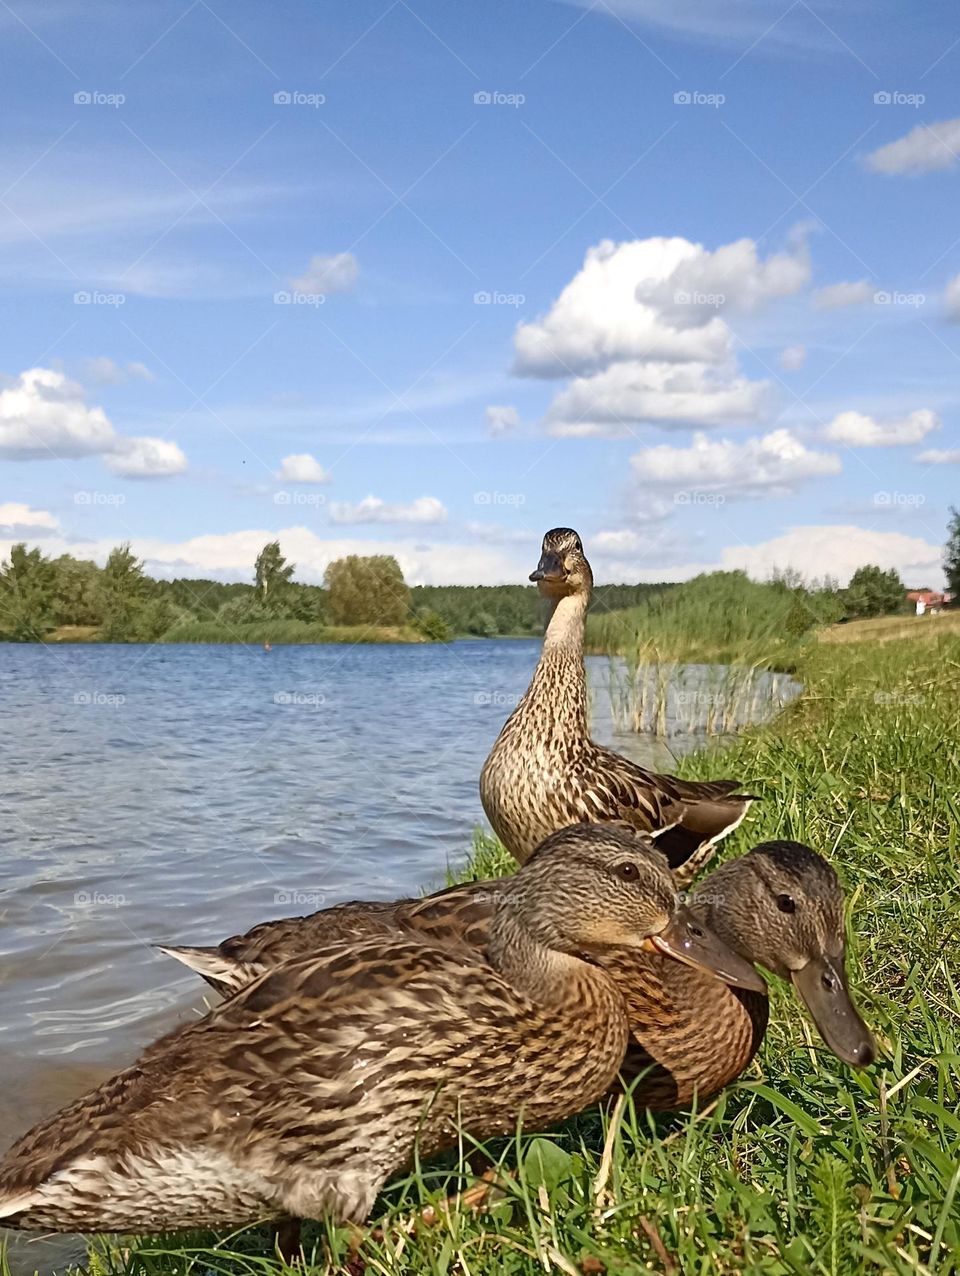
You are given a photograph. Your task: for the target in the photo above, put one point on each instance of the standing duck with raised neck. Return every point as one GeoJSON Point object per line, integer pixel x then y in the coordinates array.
{"type": "Point", "coordinates": [544, 771]}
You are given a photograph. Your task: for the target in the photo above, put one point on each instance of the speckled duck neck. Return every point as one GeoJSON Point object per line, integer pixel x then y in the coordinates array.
{"type": "Point", "coordinates": [558, 690]}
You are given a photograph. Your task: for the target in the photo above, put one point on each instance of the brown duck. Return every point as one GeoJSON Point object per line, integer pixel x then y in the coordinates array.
{"type": "Point", "coordinates": [544, 771]}
{"type": "Point", "coordinates": [303, 1093]}
{"type": "Point", "coordinates": [780, 905]}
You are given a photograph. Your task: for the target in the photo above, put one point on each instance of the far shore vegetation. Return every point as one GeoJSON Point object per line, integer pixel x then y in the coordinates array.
{"type": "Point", "coordinates": [719, 617]}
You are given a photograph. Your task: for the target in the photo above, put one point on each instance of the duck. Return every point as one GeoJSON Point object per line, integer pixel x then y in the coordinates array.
{"type": "Point", "coordinates": [299, 1096]}
{"type": "Point", "coordinates": [545, 772]}
{"type": "Point", "coordinates": [779, 906]}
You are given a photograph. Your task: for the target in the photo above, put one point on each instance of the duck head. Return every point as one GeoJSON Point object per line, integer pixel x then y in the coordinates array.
{"type": "Point", "coordinates": [563, 569]}
{"type": "Point", "coordinates": [781, 905]}
{"type": "Point", "coordinates": [593, 886]}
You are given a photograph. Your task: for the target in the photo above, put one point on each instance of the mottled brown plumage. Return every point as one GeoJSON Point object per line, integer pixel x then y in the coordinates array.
{"type": "Point", "coordinates": [301, 1094]}
{"type": "Point", "coordinates": [544, 771]}
{"type": "Point", "coordinates": [690, 1034]}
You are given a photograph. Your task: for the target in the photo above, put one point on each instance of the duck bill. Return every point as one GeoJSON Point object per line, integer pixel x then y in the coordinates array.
{"type": "Point", "coordinates": [687, 939]}
{"type": "Point", "coordinates": [549, 567]}
{"type": "Point", "coordinates": [822, 986]}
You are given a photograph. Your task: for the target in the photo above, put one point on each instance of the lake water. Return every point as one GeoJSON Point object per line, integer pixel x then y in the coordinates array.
{"type": "Point", "coordinates": [183, 793]}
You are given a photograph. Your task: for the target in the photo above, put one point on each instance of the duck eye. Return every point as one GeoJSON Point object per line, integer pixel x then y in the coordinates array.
{"type": "Point", "coordinates": [628, 871]}
{"type": "Point", "coordinates": [786, 904]}
{"type": "Point", "coordinates": [829, 982]}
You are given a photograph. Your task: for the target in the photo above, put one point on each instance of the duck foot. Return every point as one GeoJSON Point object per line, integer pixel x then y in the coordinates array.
{"type": "Point", "coordinates": [286, 1240]}
{"type": "Point", "coordinates": [474, 1198]}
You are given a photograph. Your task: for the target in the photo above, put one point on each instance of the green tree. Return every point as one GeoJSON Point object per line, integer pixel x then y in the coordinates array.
{"type": "Point", "coordinates": [78, 597]}
{"type": "Point", "coordinates": [27, 594]}
{"type": "Point", "coordinates": [951, 552]}
{"type": "Point", "coordinates": [874, 592]}
{"type": "Point", "coordinates": [433, 626]}
{"type": "Point", "coordinates": [124, 592]}
{"type": "Point", "coordinates": [272, 575]}
{"type": "Point", "coordinates": [367, 591]}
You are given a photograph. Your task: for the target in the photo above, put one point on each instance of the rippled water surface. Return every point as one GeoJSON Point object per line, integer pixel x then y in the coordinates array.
{"type": "Point", "coordinates": [183, 793]}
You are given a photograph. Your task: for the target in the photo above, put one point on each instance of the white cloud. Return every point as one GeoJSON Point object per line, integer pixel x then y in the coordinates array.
{"type": "Point", "coordinates": [767, 464]}
{"type": "Point", "coordinates": [502, 418]}
{"type": "Point", "coordinates": [104, 371]}
{"type": "Point", "coordinates": [857, 430]}
{"type": "Point", "coordinates": [425, 509]}
{"type": "Point", "coordinates": [940, 456]}
{"type": "Point", "coordinates": [951, 298]}
{"type": "Point", "coordinates": [17, 519]}
{"type": "Point", "coordinates": [731, 277]}
{"type": "Point", "coordinates": [925, 149]}
{"type": "Point", "coordinates": [833, 296]}
{"type": "Point", "coordinates": [42, 414]}
{"type": "Point", "coordinates": [231, 555]}
{"type": "Point", "coordinates": [146, 458]}
{"type": "Point", "coordinates": [793, 358]}
{"type": "Point", "coordinates": [838, 551]}
{"type": "Point", "coordinates": [666, 394]}
{"type": "Point", "coordinates": [45, 416]}
{"type": "Point", "coordinates": [325, 275]}
{"type": "Point", "coordinates": [301, 467]}
{"type": "Point", "coordinates": [639, 330]}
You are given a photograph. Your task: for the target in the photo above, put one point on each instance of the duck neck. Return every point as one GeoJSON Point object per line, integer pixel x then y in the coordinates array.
{"type": "Point", "coordinates": [559, 683]}
{"type": "Point", "coordinates": [545, 974]}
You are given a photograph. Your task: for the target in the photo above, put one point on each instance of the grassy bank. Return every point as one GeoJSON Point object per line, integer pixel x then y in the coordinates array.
{"type": "Point", "coordinates": [804, 1166]}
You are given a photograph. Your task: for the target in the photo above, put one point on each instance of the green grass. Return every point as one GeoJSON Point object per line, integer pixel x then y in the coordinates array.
{"type": "Point", "coordinates": [287, 631]}
{"type": "Point", "coordinates": [803, 1167]}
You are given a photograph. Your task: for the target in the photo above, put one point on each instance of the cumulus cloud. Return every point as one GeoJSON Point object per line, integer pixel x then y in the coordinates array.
{"type": "Point", "coordinates": [793, 358]}
{"type": "Point", "coordinates": [925, 149]}
{"type": "Point", "coordinates": [765, 465]}
{"type": "Point", "coordinates": [666, 394]}
{"type": "Point", "coordinates": [44, 416]}
{"type": "Point", "coordinates": [301, 467]}
{"type": "Point", "coordinates": [425, 509]}
{"type": "Point", "coordinates": [20, 520]}
{"type": "Point", "coordinates": [146, 458]}
{"type": "Point", "coordinates": [858, 430]}
{"type": "Point", "coordinates": [335, 273]}
{"type": "Point", "coordinates": [839, 551]}
{"type": "Point", "coordinates": [940, 456]}
{"type": "Point", "coordinates": [104, 371]}
{"type": "Point", "coordinates": [846, 293]}
{"type": "Point", "coordinates": [502, 418]}
{"type": "Point", "coordinates": [639, 330]}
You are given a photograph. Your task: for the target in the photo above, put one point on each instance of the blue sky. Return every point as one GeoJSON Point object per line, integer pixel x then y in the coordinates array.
{"type": "Point", "coordinates": [428, 279]}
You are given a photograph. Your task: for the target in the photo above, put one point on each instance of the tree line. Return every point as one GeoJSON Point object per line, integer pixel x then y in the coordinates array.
{"type": "Point", "coordinates": [118, 602]}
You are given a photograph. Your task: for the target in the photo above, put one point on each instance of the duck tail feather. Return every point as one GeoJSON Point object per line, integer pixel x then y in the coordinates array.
{"type": "Point", "coordinates": [226, 974]}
